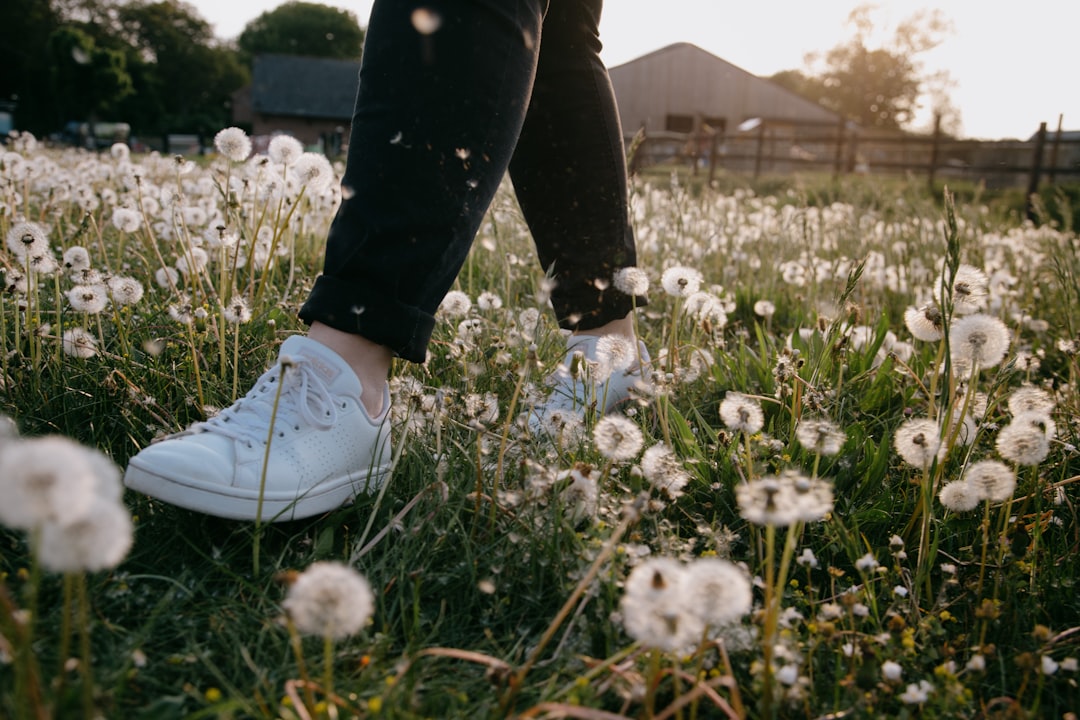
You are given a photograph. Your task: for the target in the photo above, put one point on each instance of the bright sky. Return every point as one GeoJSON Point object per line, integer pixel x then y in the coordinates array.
{"type": "Point", "coordinates": [1012, 63]}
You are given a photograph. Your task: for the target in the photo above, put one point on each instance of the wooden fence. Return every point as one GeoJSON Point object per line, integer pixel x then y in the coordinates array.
{"type": "Point", "coordinates": [772, 147]}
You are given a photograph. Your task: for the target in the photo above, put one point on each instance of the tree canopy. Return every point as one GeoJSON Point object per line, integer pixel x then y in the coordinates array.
{"type": "Point", "coordinates": [303, 28]}
{"type": "Point", "coordinates": [876, 86]}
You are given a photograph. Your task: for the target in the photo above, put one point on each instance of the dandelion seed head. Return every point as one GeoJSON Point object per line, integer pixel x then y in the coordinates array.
{"type": "Point", "coordinates": [76, 259]}
{"type": "Point", "coordinates": [329, 599]}
{"type": "Point", "coordinates": [77, 342]}
{"type": "Point", "coordinates": [1029, 398]}
{"type": "Point", "coordinates": [918, 442]}
{"type": "Point", "coordinates": [488, 301]}
{"type": "Point", "coordinates": [652, 609]}
{"type": "Point", "coordinates": [48, 479]}
{"type": "Point", "coordinates": [455, 304]}
{"type": "Point", "coordinates": [764, 309]}
{"type": "Point", "coordinates": [959, 496]}
{"type": "Point", "coordinates": [767, 501]}
{"type": "Point", "coordinates": [236, 311]}
{"type": "Point", "coordinates": [89, 299]}
{"type": "Point", "coordinates": [127, 220]}
{"type": "Point", "coordinates": [820, 436]}
{"type": "Point", "coordinates": [891, 671]}
{"type": "Point", "coordinates": [98, 540]}
{"type": "Point", "coordinates": [925, 322]}
{"type": "Point", "coordinates": [867, 563]}
{"type": "Point", "coordinates": [233, 143]}
{"type": "Point", "coordinates": [615, 352]}
{"type": "Point", "coordinates": [991, 479]}
{"type": "Point", "coordinates": [314, 172]}
{"type": "Point", "coordinates": [741, 412]}
{"type": "Point", "coordinates": [581, 495]}
{"type": "Point", "coordinates": [1023, 443]}
{"type": "Point", "coordinates": [284, 149]}
{"type": "Point", "coordinates": [969, 288]}
{"type": "Point", "coordinates": [166, 277]}
{"type": "Point", "coordinates": [716, 590]}
{"type": "Point", "coordinates": [980, 339]}
{"type": "Point", "coordinates": [631, 281]}
{"type": "Point", "coordinates": [807, 558]}
{"type": "Point", "coordinates": [617, 437]}
{"type": "Point", "coordinates": [680, 281]}
{"type": "Point", "coordinates": [662, 469]}
{"type": "Point", "coordinates": [27, 239]}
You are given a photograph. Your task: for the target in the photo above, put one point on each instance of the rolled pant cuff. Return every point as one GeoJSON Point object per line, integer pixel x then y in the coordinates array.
{"type": "Point", "coordinates": [404, 329]}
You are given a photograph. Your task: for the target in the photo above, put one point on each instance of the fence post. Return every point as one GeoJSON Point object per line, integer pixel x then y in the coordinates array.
{"type": "Point", "coordinates": [1052, 170]}
{"type": "Point", "coordinates": [838, 161]}
{"type": "Point", "coordinates": [934, 149]}
{"type": "Point", "coordinates": [760, 148]}
{"type": "Point", "coordinates": [714, 144]}
{"type": "Point", "coordinates": [1036, 169]}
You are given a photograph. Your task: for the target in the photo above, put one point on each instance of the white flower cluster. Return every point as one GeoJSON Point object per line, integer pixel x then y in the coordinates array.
{"type": "Point", "coordinates": [70, 495]}
{"type": "Point", "coordinates": [667, 605]}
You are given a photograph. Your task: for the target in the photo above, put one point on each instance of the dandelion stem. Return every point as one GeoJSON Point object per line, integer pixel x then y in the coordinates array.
{"type": "Point", "coordinates": [282, 368]}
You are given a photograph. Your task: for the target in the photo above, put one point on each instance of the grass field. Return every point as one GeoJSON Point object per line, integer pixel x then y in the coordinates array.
{"type": "Point", "coordinates": [854, 494]}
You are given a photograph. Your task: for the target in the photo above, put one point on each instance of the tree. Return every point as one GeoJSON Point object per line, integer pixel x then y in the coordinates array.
{"type": "Point", "coordinates": [24, 62]}
{"type": "Point", "coordinates": [183, 79]}
{"type": "Point", "coordinates": [302, 28]}
{"type": "Point", "coordinates": [875, 86]}
{"type": "Point", "coordinates": [87, 80]}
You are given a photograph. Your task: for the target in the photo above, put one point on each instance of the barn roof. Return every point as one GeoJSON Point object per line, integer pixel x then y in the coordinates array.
{"type": "Point", "coordinates": [304, 86]}
{"type": "Point", "coordinates": [729, 72]}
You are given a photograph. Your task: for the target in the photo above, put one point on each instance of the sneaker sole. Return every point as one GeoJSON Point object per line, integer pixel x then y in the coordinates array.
{"type": "Point", "coordinates": [241, 505]}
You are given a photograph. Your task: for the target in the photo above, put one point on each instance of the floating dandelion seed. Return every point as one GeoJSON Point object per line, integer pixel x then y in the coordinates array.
{"type": "Point", "coordinates": [992, 479]}
{"type": "Point", "coordinates": [680, 281]}
{"type": "Point", "coordinates": [425, 20]}
{"type": "Point", "coordinates": [329, 599]}
{"type": "Point", "coordinates": [741, 412]}
{"type": "Point", "coordinates": [631, 281]}
{"type": "Point", "coordinates": [918, 442]}
{"type": "Point", "coordinates": [617, 437]}
{"type": "Point", "coordinates": [233, 143]}
{"type": "Point", "coordinates": [980, 339]}
{"type": "Point", "coordinates": [925, 322]}
{"type": "Point", "coordinates": [820, 436]}
{"type": "Point", "coordinates": [77, 342]}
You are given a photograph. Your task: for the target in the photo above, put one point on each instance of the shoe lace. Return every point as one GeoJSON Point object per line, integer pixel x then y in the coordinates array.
{"type": "Point", "coordinates": [305, 399]}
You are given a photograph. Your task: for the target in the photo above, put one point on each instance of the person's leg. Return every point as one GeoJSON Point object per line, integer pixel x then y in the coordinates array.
{"type": "Point", "coordinates": [569, 173]}
{"type": "Point", "coordinates": [443, 92]}
{"type": "Point", "coordinates": [437, 118]}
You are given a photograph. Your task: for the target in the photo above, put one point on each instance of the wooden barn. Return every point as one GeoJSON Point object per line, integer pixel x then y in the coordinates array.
{"type": "Point", "coordinates": [309, 98]}
{"type": "Point", "coordinates": [681, 89]}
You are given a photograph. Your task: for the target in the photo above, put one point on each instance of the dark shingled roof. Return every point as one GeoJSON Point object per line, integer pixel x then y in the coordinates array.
{"type": "Point", "coordinates": [304, 86]}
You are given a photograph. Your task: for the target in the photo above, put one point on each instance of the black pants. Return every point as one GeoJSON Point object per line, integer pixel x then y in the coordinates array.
{"type": "Point", "coordinates": [440, 117]}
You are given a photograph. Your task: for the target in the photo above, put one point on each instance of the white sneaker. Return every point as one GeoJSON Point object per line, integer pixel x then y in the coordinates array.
{"type": "Point", "coordinates": [597, 375]}
{"type": "Point", "coordinates": [325, 448]}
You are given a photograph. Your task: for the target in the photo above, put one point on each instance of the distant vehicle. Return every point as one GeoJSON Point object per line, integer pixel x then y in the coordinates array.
{"type": "Point", "coordinates": [98, 136]}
